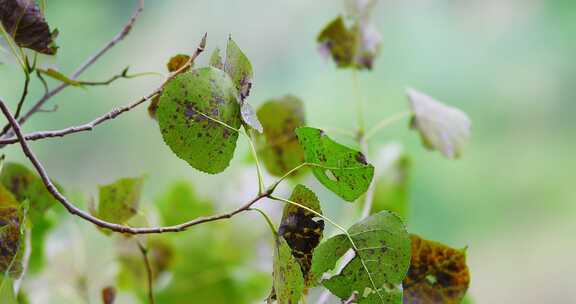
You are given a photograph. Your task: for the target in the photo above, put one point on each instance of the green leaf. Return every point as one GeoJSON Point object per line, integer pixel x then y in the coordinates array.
{"type": "Point", "coordinates": [239, 68]}
{"type": "Point", "coordinates": [392, 182]}
{"type": "Point", "coordinates": [180, 203]}
{"type": "Point", "coordinates": [278, 146]}
{"type": "Point", "coordinates": [350, 47]}
{"type": "Point", "coordinates": [326, 255]}
{"type": "Point", "coordinates": [300, 228]}
{"type": "Point", "coordinates": [343, 170]}
{"type": "Point", "coordinates": [438, 273]}
{"type": "Point", "coordinates": [10, 234]}
{"type": "Point", "coordinates": [441, 127]}
{"type": "Point", "coordinates": [7, 291]}
{"type": "Point", "coordinates": [382, 258]}
{"type": "Point", "coordinates": [26, 185]}
{"type": "Point", "coordinates": [176, 62]}
{"type": "Point", "coordinates": [60, 77]}
{"type": "Point", "coordinates": [118, 202]}
{"type": "Point", "coordinates": [196, 112]}
{"type": "Point", "coordinates": [288, 279]}
{"type": "Point", "coordinates": [216, 59]}
{"type": "Point", "coordinates": [24, 21]}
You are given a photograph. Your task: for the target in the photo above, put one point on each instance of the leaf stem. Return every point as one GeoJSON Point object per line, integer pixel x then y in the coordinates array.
{"type": "Point", "coordinates": [268, 220]}
{"type": "Point", "coordinates": [261, 186]}
{"type": "Point", "coordinates": [148, 267]}
{"type": "Point", "coordinates": [385, 123]}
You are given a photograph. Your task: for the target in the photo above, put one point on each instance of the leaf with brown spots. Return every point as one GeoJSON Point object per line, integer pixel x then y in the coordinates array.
{"type": "Point", "coordinates": [382, 258]}
{"type": "Point", "coordinates": [301, 228]}
{"type": "Point", "coordinates": [23, 21]}
{"type": "Point", "coordinates": [278, 146]}
{"type": "Point", "coordinates": [342, 170]}
{"type": "Point", "coordinates": [287, 277]}
{"type": "Point", "coordinates": [441, 127]}
{"type": "Point", "coordinates": [10, 234]}
{"type": "Point", "coordinates": [178, 61]}
{"type": "Point", "coordinates": [199, 117]}
{"type": "Point", "coordinates": [118, 202]}
{"type": "Point", "coordinates": [437, 274]}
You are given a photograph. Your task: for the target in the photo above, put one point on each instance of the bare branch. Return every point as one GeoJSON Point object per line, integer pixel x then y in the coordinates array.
{"type": "Point", "coordinates": [71, 208]}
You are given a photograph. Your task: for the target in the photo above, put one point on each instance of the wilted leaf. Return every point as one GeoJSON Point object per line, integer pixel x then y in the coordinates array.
{"type": "Point", "coordinates": [60, 77]}
{"type": "Point", "coordinates": [345, 171]}
{"type": "Point", "coordinates": [10, 235]}
{"type": "Point", "coordinates": [23, 21]}
{"type": "Point", "coordinates": [239, 68]}
{"type": "Point", "coordinates": [118, 202]}
{"type": "Point", "coordinates": [355, 46]}
{"type": "Point", "coordinates": [441, 127]}
{"type": "Point", "coordinates": [381, 261]}
{"type": "Point", "coordinates": [392, 181]}
{"type": "Point", "coordinates": [192, 110]}
{"type": "Point", "coordinates": [176, 62]}
{"type": "Point", "coordinates": [180, 203]}
{"type": "Point", "coordinates": [438, 274]}
{"type": "Point", "coordinates": [288, 279]}
{"type": "Point", "coordinates": [279, 147]}
{"type": "Point", "coordinates": [301, 228]}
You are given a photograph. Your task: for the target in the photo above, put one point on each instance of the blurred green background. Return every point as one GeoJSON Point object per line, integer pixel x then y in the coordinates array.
{"type": "Point", "coordinates": [509, 64]}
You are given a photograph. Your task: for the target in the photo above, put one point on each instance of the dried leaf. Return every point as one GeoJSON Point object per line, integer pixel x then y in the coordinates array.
{"type": "Point", "coordinates": [196, 112]}
{"type": "Point", "coordinates": [178, 61]}
{"type": "Point", "coordinates": [153, 106]}
{"type": "Point", "coordinates": [301, 228]}
{"type": "Point", "coordinates": [278, 146]}
{"type": "Point", "coordinates": [438, 274]}
{"type": "Point", "coordinates": [23, 21]}
{"type": "Point", "coordinates": [441, 127]}
{"type": "Point", "coordinates": [344, 171]}
{"type": "Point", "coordinates": [118, 202]}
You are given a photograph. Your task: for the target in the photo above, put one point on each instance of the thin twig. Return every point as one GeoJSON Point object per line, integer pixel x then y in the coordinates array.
{"type": "Point", "coordinates": [71, 208]}
{"type": "Point", "coordinates": [91, 60]}
{"type": "Point", "coordinates": [109, 115]}
{"type": "Point", "coordinates": [148, 267]}
{"type": "Point", "coordinates": [23, 97]}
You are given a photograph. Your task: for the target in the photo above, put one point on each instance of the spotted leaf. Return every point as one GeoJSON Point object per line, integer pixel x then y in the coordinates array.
{"type": "Point", "coordinates": [199, 116]}
{"type": "Point", "coordinates": [278, 146]}
{"type": "Point", "coordinates": [287, 276]}
{"type": "Point", "coordinates": [342, 170]}
{"type": "Point", "coordinates": [118, 202]}
{"type": "Point", "coordinates": [239, 68]}
{"type": "Point", "coordinates": [438, 274]}
{"type": "Point", "coordinates": [441, 127]}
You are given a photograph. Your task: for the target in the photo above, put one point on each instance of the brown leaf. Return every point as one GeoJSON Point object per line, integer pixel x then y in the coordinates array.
{"type": "Point", "coordinates": [108, 295]}
{"type": "Point", "coordinates": [23, 21]}
{"type": "Point", "coordinates": [178, 61]}
{"type": "Point", "coordinates": [437, 274]}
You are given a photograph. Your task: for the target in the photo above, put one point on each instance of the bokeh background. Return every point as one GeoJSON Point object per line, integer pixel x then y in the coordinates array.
{"type": "Point", "coordinates": [511, 199]}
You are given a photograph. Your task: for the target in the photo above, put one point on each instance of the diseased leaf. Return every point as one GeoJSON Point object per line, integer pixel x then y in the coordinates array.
{"type": "Point", "coordinates": [23, 21]}
{"type": "Point", "coordinates": [60, 77]}
{"type": "Point", "coordinates": [350, 47]}
{"type": "Point", "coordinates": [278, 146]}
{"type": "Point", "coordinates": [216, 59]}
{"type": "Point", "coordinates": [441, 127]}
{"type": "Point", "coordinates": [438, 274]}
{"type": "Point", "coordinates": [288, 279]}
{"type": "Point", "coordinates": [10, 235]}
{"type": "Point", "coordinates": [239, 68]}
{"type": "Point", "coordinates": [392, 181]}
{"type": "Point", "coordinates": [345, 171]}
{"type": "Point", "coordinates": [26, 185]}
{"type": "Point", "coordinates": [176, 62]}
{"type": "Point", "coordinates": [301, 228]}
{"type": "Point", "coordinates": [249, 117]}
{"type": "Point", "coordinates": [381, 261]}
{"type": "Point", "coordinates": [193, 109]}
{"type": "Point", "coordinates": [326, 255]}
{"type": "Point", "coordinates": [118, 202]}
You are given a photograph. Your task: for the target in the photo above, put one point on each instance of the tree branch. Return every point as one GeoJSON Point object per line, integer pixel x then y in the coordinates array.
{"type": "Point", "coordinates": [71, 208]}
{"type": "Point", "coordinates": [91, 60]}
{"type": "Point", "coordinates": [148, 267]}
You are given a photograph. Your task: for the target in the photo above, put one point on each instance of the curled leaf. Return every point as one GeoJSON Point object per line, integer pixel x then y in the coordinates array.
{"type": "Point", "coordinates": [437, 274]}
{"type": "Point", "coordinates": [441, 127]}
{"type": "Point", "coordinates": [278, 146]}
{"type": "Point", "coordinates": [199, 117]}
{"type": "Point", "coordinates": [342, 170]}
{"type": "Point", "coordinates": [382, 258]}
{"type": "Point", "coordinates": [118, 202]}
{"type": "Point", "coordinates": [301, 228]}
{"type": "Point", "coordinates": [23, 21]}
